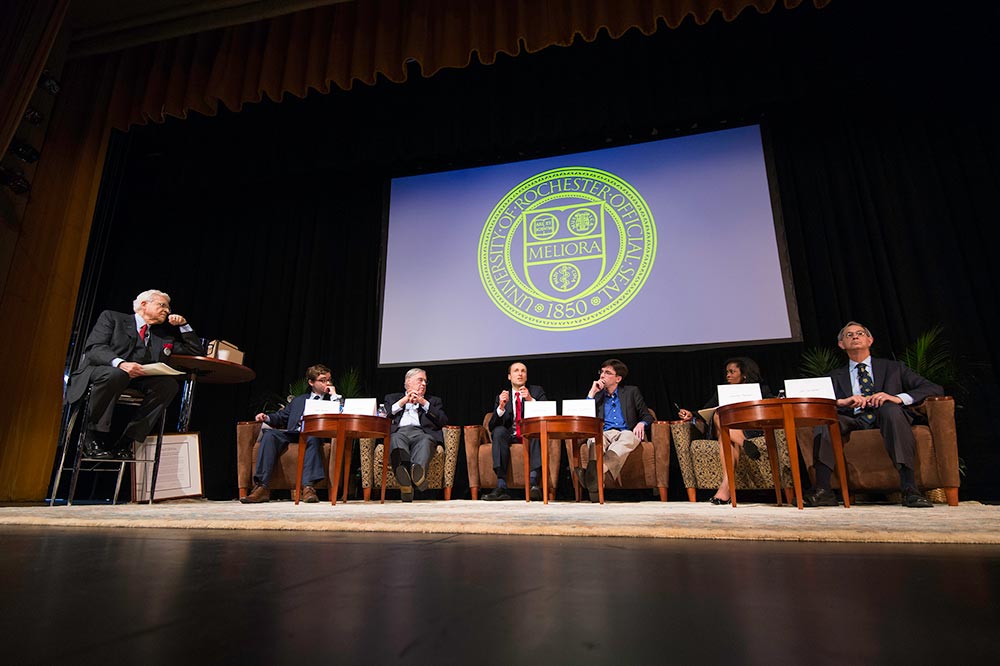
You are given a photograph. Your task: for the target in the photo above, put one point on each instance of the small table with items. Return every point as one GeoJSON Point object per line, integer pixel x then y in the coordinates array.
{"type": "Point", "coordinates": [208, 371]}
{"type": "Point", "coordinates": [343, 427]}
{"type": "Point", "coordinates": [563, 427]}
{"type": "Point", "coordinates": [786, 413]}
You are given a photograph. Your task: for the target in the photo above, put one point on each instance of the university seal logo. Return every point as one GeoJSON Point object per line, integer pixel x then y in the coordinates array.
{"type": "Point", "coordinates": [567, 248]}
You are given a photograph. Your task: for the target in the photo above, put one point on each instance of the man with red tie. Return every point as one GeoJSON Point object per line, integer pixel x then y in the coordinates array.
{"type": "Point", "coordinates": [505, 428]}
{"type": "Point", "coordinates": [114, 353]}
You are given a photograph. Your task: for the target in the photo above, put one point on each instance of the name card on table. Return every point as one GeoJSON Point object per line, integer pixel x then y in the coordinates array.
{"type": "Point", "coordinates": [733, 393]}
{"type": "Point", "coordinates": [360, 406]}
{"type": "Point", "coordinates": [534, 408]}
{"type": "Point", "coordinates": [321, 407]}
{"type": "Point", "coordinates": [578, 408]}
{"type": "Point", "coordinates": [814, 387]}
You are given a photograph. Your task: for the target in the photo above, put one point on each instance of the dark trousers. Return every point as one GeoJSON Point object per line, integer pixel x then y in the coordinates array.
{"type": "Point", "coordinates": [891, 420]}
{"type": "Point", "coordinates": [501, 437]}
{"type": "Point", "coordinates": [411, 444]}
{"type": "Point", "coordinates": [274, 442]}
{"type": "Point", "coordinates": [107, 383]}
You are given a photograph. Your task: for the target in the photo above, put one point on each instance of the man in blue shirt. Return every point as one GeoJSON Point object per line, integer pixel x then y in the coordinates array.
{"type": "Point", "coordinates": [626, 418]}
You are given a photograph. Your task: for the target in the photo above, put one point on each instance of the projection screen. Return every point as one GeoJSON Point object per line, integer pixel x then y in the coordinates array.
{"type": "Point", "coordinates": [670, 243]}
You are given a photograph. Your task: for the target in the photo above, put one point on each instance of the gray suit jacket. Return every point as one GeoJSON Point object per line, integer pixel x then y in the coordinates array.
{"type": "Point", "coordinates": [889, 376]}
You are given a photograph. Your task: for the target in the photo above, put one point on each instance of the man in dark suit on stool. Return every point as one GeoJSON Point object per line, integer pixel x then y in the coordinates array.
{"type": "Point", "coordinates": [871, 393]}
{"type": "Point", "coordinates": [114, 353]}
{"type": "Point", "coordinates": [505, 428]}
{"type": "Point", "coordinates": [417, 420]}
{"type": "Point", "coordinates": [284, 430]}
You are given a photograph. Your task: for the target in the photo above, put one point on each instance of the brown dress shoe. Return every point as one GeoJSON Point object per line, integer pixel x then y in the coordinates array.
{"type": "Point", "coordinates": [258, 495]}
{"type": "Point", "coordinates": [309, 495]}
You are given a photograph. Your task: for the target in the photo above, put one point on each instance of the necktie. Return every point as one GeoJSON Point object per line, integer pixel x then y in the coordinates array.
{"type": "Point", "coordinates": [867, 389]}
{"type": "Point", "coordinates": [317, 397]}
{"type": "Point", "coordinates": [517, 415]}
{"type": "Point", "coordinates": [142, 334]}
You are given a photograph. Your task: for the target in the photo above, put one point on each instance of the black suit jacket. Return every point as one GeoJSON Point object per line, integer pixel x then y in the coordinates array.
{"type": "Point", "coordinates": [537, 393]}
{"type": "Point", "coordinates": [633, 405]}
{"type": "Point", "coordinates": [432, 419]}
{"type": "Point", "coordinates": [889, 376]}
{"type": "Point", "coordinates": [114, 336]}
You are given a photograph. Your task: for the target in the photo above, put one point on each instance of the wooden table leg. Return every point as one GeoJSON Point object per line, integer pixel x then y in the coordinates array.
{"type": "Point", "coordinates": [772, 455]}
{"type": "Point", "coordinates": [838, 455]}
{"type": "Point", "coordinates": [793, 452]}
{"type": "Point", "coordinates": [348, 450]}
{"type": "Point", "coordinates": [599, 448]}
{"type": "Point", "coordinates": [385, 465]}
{"type": "Point", "coordinates": [727, 456]}
{"type": "Point", "coordinates": [337, 463]}
{"type": "Point", "coordinates": [544, 450]}
{"type": "Point", "coordinates": [526, 448]}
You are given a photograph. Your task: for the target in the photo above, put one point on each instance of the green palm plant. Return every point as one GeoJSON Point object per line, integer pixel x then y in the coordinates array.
{"type": "Point", "coordinates": [931, 358]}
{"type": "Point", "coordinates": [819, 361]}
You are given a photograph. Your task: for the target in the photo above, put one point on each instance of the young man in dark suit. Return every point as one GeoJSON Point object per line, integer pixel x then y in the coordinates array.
{"type": "Point", "coordinates": [284, 430]}
{"type": "Point", "coordinates": [114, 353]}
{"type": "Point", "coordinates": [871, 393]}
{"type": "Point", "coordinates": [417, 420]}
{"type": "Point", "coordinates": [626, 418]}
{"type": "Point", "coordinates": [508, 410]}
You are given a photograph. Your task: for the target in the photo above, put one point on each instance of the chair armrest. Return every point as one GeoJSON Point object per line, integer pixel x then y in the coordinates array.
{"type": "Point", "coordinates": [366, 446]}
{"type": "Point", "coordinates": [452, 440]}
{"type": "Point", "coordinates": [247, 433]}
{"type": "Point", "coordinates": [681, 433]}
{"type": "Point", "coordinates": [473, 436]}
{"type": "Point", "coordinates": [940, 411]}
{"type": "Point", "coordinates": [661, 452]}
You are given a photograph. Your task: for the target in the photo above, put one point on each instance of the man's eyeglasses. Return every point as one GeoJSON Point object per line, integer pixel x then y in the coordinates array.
{"type": "Point", "coordinates": [855, 334]}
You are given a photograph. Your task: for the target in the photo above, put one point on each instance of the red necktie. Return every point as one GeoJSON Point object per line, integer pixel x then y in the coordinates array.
{"type": "Point", "coordinates": [517, 415]}
{"type": "Point", "coordinates": [142, 334]}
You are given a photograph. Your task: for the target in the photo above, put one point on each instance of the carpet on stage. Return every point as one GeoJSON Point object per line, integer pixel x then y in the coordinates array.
{"type": "Point", "coordinates": [969, 522]}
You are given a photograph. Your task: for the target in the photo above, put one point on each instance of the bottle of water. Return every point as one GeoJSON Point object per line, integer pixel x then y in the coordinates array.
{"type": "Point", "coordinates": [781, 393]}
{"type": "Point", "coordinates": [381, 410]}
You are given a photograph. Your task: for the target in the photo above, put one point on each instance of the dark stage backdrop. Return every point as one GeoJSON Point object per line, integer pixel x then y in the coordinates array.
{"type": "Point", "coordinates": [265, 226]}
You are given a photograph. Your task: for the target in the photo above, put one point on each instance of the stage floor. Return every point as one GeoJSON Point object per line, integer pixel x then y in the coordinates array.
{"type": "Point", "coordinates": [970, 522]}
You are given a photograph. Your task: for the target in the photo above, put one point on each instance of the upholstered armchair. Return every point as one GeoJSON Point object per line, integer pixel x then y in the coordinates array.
{"type": "Point", "coordinates": [701, 467]}
{"type": "Point", "coordinates": [479, 460]}
{"type": "Point", "coordinates": [247, 436]}
{"type": "Point", "coordinates": [648, 466]}
{"type": "Point", "coordinates": [440, 475]}
{"type": "Point", "coordinates": [869, 467]}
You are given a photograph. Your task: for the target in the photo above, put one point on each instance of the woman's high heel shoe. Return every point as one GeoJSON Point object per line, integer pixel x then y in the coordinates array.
{"type": "Point", "coordinates": [718, 501]}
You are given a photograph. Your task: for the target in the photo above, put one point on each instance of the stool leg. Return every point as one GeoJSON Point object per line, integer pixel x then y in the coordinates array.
{"type": "Point", "coordinates": [156, 456]}
{"type": "Point", "coordinates": [76, 469]}
{"type": "Point", "coordinates": [74, 411]}
{"type": "Point", "coordinates": [118, 483]}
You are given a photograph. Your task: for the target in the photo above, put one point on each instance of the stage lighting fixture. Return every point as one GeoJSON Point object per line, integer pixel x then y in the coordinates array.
{"type": "Point", "coordinates": [15, 180]}
{"type": "Point", "coordinates": [48, 83]}
{"type": "Point", "coordinates": [33, 116]}
{"type": "Point", "coordinates": [24, 151]}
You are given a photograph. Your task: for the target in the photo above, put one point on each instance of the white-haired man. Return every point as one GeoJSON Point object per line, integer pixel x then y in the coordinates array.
{"type": "Point", "coordinates": [417, 420]}
{"type": "Point", "coordinates": [113, 355]}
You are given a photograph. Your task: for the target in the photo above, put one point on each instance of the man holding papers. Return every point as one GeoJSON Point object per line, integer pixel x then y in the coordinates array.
{"type": "Point", "coordinates": [285, 426]}
{"type": "Point", "coordinates": [871, 393]}
{"type": "Point", "coordinates": [626, 418]}
{"type": "Point", "coordinates": [505, 428]}
{"type": "Point", "coordinates": [114, 353]}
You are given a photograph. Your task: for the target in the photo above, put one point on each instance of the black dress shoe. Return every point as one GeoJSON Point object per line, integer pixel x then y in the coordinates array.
{"type": "Point", "coordinates": [820, 497]}
{"type": "Point", "coordinates": [535, 493]}
{"type": "Point", "coordinates": [497, 495]}
{"type": "Point", "coordinates": [718, 501]}
{"type": "Point", "coordinates": [750, 448]}
{"type": "Point", "coordinates": [914, 500]}
{"type": "Point", "coordinates": [590, 477]}
{"type": "Point", "coordinates": [405, 483]}
{"type": "Point", "coordinates": [124, 450]}
{"type": "Point", "coordinates": [95, 450]}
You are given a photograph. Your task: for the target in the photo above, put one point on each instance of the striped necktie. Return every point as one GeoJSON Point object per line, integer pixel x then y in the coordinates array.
{"type": "Point", "coordinates": [867, 389]}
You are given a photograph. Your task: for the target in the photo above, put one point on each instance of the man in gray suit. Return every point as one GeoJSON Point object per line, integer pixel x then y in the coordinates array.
{"type": "Point", "coordinates": [417, 420]}
{"type": "Point", "coordinates": [871, 393]}
{"type": "Point", "coordinates": [114, 353]}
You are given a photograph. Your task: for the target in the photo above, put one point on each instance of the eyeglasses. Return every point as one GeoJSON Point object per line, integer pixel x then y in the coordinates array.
{"type": "Point", "coordinates": [856, 334]}
{"type": "Point", "coordinates": [322, 380]}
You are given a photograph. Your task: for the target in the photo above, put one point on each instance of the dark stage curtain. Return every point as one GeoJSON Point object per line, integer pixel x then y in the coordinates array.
{"type": "Point", "coordinates": [268, 221]}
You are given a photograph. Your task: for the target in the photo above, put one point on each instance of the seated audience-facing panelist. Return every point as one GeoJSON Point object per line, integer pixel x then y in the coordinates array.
{"type": "Point", "coordinates": [871, 393]}
{"type": "Point", "coordinates": [739, 370]}
{"type": "Point", "coordinates": [626, 418]}
{"type": "Point", "coordinates": [505, 428]}
{"type": "Point", "coordinates": [113, 355]}
{"type": "Point", "coordinates": [415, 432]}
{"type": "Point", "coordinates": [286, 424]}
